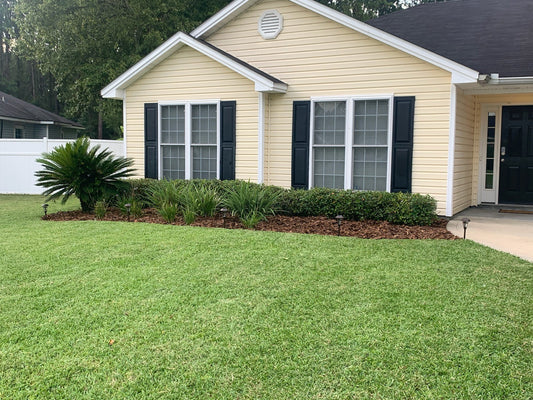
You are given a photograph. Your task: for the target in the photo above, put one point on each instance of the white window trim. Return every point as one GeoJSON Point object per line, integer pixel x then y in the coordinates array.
{"type": "Point", "coordinates": [188, 133]}
{"type": "Point", "coordinates": [489, 195]}
{"type": "Point", "coordinates": [348, 139]}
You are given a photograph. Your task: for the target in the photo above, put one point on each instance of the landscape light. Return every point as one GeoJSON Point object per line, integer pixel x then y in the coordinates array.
{"type": "Point", "coordinates": [465, 226]}
{"type": "Point", "coordinates": [128, 209]}
{"type": "Point", "coordinates": [224, 212]}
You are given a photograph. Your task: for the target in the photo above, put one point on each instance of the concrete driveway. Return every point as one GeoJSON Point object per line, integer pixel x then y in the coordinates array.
{"type": "Point", "coordinates": [508, 232]}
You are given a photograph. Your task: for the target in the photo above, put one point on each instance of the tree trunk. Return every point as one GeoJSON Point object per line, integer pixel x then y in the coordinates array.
{"type": "Point", "coordinates": [100, 125]}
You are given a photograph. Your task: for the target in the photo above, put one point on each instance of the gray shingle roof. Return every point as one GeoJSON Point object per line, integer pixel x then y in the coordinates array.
{"type": "Point", "coordinates": [11, 107]}
{"type": "Point", "coordinates": [489, 36]}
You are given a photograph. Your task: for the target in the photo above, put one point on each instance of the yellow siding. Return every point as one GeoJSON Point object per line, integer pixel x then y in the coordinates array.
{"type": "Point", "coordinates": [493, 99]}
{"type": "Point", "coordinates": [318, 57]}
{"type": "Point", "coordinates": [189, 75]}
{"type": "Point", "coordinates": [464, 145]}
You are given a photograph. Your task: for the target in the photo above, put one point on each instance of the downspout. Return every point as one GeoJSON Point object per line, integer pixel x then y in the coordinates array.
{"type": "Point", "coordinates": [261, 138]}
{"type": "Point", "coordinates": [1, 128]}
{"type": "Point", "coordinates": [451, 152]}
{"type": "Point", "coordinates": [124, 125]}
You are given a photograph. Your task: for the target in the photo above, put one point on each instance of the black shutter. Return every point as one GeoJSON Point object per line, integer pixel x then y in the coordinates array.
{"type": "Point", "coordinates": [150, 140]}
{"type": "Point", "coordinates": [402, 144]}
{"type": "Point", "coordinates": [227, 139]}
{"type": "Point", "coordinates": [301, 115]}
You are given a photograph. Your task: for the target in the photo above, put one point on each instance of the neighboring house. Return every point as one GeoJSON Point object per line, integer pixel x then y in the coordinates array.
{"type": "Point", "coordinates": [436, 99]}
{"type": "Point", "coordinates": [22, 120]}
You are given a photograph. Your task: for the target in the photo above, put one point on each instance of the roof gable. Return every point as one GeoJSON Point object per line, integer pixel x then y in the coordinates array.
{"type": "Point", "coordinates": [460, 73]}
{"type": "Point", "coordinates": [15, 109]}
{"type": "Point", "coordinates": [263, 81]}
{"type": "Point", "coordinates": [490, 36]}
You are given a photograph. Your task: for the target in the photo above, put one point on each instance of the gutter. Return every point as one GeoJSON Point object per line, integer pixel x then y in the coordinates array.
{"type": "Point", "coordinates": [494, 79]}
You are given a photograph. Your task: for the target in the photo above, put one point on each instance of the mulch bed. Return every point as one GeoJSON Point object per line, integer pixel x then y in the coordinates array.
{"type": "Point", "coordinates": [282, 223]}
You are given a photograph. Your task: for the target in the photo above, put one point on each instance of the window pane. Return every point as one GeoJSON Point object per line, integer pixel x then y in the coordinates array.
{"type": "Point", "coordinates": [330, 122]}
{"type": "Point", "coordinates": [328, 167]}
{"type": "Point", "coordinates": [173, 159]}
{"type": "Point", "coordinates": [173, 124]}
{"type": "Point", "coordinates": [204, 124]}
{"type": "Point", "coordinates": [204, 162]}
{"type": "Point", "coordinates": [371, 132]}
{"type": "Point", "coordinates": [370, 168]}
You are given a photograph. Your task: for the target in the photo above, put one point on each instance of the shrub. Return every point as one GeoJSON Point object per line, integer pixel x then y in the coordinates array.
{"type": "Point", "coordinates": [89, 174]}
{"type": "Point", "coordinates": [100, 209]}
{"type": "Point", "coordinates": [168, 211]}
{"type": "Point", "coordinates": [135, 206]}
{"type": "Point", "coordinates": [251, 202]}
{"type": "Point", "coordinates": [163, 192]}
{"type": "Point", "coordinates": [398, 208]}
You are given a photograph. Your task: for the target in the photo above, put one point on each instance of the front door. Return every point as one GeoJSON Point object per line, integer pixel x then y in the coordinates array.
{"type": "Point", "coordinates": [516, 155]}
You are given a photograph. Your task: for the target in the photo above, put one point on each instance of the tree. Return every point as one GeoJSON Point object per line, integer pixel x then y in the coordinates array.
{"type": "Point", "coordinates": [85, 44]}
{"type": "Point", "coordinates": [363, 9]}
{"type": "Point", "coordinates": [20, 77]}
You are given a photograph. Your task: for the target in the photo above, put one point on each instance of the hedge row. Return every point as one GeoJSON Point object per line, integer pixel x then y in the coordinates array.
{"type": "Point", "coordinates": [397, 208]}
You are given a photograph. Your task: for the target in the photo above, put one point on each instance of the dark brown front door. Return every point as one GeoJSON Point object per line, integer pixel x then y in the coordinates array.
{"type": "Point", "coordinates": [516, 155]}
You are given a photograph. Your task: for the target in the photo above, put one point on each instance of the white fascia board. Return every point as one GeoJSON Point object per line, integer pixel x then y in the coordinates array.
{"type": "Point", "coordinates": [116, 88]}
{"type": "Point", "coordinates": [460, 73]}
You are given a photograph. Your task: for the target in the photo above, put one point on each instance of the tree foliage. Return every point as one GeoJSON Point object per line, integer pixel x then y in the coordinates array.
{"type": "Point", "coordinates": [363, 9]}
{"type": "Point", "coordinates": [85, 44]}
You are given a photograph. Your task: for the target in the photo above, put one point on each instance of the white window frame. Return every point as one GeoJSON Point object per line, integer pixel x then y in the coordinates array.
{"type": "Point", "coordinates": [188, 133]}
{"type": "Point", "coordinates": [348, 138]}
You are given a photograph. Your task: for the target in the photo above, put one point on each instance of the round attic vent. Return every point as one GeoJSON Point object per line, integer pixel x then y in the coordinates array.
{"type": "Point", "coordinates": [270, 24]}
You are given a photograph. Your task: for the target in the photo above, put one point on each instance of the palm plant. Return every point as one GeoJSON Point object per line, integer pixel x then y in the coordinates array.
{"type": "Point", "coordinates": [90, 174]}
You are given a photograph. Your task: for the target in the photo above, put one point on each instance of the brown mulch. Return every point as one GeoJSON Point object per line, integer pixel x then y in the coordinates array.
{"type": "Point", "coordinates": [282, 223]}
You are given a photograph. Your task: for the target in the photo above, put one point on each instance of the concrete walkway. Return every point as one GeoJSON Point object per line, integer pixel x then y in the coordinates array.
{"type": "Point", "coordinates": [511, 233]}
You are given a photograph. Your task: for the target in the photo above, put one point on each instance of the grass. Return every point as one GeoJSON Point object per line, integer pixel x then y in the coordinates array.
{"type": "Point", "coordinates": [92, 310]}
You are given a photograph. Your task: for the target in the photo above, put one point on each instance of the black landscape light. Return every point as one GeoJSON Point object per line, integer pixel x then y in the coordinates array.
{"type": "Point", "coordinates": [339, 219]}
{"type": "Point", "coordinates": [128, 210]}
{"type": "Point", "coordinates": [465, 226]}
{"type": "Point", "coordinates": [224, 212]}
{"type": "Point", "coordinates": [45, 209]}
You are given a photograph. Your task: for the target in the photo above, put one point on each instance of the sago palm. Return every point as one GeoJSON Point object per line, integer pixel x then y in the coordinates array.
{"type": "Point", "coordinates": [90, 174]}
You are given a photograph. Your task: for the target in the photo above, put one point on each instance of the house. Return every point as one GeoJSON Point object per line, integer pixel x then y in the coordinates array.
{"type": "Point", "coordinates": [436, 99]}
{"type": "Point", "coordinates": [22, 120]}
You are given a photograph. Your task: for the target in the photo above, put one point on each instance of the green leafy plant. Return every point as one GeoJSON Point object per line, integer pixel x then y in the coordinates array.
{"type": "Point", "coordinates": [168, 211]}
{"type": "Point", "coordinates": [100, 209]}
{"type": "Point", "coordinates": [164, 192]}
{"type": "Point", "coordinates": [90, 174]}
{"type": "Point", "coordinates": [189, 216]}
{"type": "Point", "coordinates": [135, 211]}
{"type": "Point", "coordinates": [251, 202]}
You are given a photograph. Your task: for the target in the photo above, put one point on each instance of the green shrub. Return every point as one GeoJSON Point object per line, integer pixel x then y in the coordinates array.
{"type": "Point", "coordinates": [251, 202]}
{"type": "Point", "coordinates": [100, 209]}
{"type": "Point", "coordinates": [168, 211]}
{"type": "Point", "coordinates": [135, 206]}
{"type": "Point", "coordinates": [398, 208]}
{"type": "Point", "coordinates": [202, 199]}
{"type": "Point", "coordinates": [89, 174]}
{"type": "Point", "coordinates": [164, 192]}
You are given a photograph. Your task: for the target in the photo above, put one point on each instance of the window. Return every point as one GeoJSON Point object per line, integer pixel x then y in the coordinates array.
{"type": "Point", "coordinates": [188, 138]}
{"type": "Point", "coordinates": [19, 132]}
{"type": "Point", "coordinates": [351, 138]}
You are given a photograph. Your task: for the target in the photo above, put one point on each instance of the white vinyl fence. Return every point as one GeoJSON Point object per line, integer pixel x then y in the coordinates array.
{"type": "Point", "coordinates": [18, 161]}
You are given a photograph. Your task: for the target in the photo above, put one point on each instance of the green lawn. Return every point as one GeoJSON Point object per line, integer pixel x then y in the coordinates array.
{"type": "Point", "coordinates": [100, 310]}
